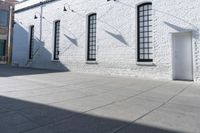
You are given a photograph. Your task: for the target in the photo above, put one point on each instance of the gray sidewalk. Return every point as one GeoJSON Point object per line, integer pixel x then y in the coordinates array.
{"type": "Point", "coordinates": [40, 101]}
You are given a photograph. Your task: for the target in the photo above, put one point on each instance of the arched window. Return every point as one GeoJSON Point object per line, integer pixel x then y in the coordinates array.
{"type": "Point", "coordinates": [145, 48]}
{"type": "Point", "coordinates": [91, 54]}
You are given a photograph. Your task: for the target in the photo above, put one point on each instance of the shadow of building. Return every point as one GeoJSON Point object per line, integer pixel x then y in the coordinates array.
{"type": "Point", "coordinates": [24, 116]}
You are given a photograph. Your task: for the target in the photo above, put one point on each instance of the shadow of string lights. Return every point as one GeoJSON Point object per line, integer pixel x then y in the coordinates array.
{"type": "Point", "coordinates": [98, 18]}
{"type": "Point", "coordinates": [68, 8]}
{"type": "Point", "coordinates": [116, 1]}
{"type": "Point", "coordinates": [165, 13]}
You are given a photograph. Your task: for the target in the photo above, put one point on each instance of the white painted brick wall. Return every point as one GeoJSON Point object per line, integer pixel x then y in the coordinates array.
{"type": "Point", "coordinates": [115, 56]}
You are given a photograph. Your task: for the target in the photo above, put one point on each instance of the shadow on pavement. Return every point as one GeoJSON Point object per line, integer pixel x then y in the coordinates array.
{"type": "Point", "coordinates": [27, 117]}
{"type": "Point", "coordinates": [9, 71]}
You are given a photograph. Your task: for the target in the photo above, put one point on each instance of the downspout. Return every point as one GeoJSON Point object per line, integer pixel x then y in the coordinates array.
{"type": "Point", "coordinates": [41, 20]}
{"type": "Point", "coordinates": [10, 34]}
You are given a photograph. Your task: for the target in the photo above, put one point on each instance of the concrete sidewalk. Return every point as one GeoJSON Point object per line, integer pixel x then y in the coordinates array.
{"type": "Point", "coordinates": [39, 101]}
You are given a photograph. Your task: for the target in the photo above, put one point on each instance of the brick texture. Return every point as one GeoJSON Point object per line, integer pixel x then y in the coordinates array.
{"type": "Point", "coordinates": [116, 36]}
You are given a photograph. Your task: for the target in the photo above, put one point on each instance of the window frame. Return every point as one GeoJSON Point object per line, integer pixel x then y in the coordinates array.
{"type": "Point", "coordinates": [139, 36]}
{"type": "Point", "coordinates": [56, 44]}
{"type": "Point", "coordinates": [4, 47]}
{"type": "Point", "coordinates": [7, 18]}
{"type": "Point", "coordinates": [31, 41]}
{"type": "Point", "coordinates": [91, 39]}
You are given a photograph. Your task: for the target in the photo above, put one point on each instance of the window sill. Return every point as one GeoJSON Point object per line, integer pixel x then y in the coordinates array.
{"type": "Point", "coordinates": [55, 60]}
{"type": "Point", "coordinates": [91, 62]}
{"type": "Point", "coordinates": [145, 64]}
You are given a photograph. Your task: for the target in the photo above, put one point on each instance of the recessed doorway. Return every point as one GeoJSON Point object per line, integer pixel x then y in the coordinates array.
{"type": "Point", "coordinates": [182, 56]}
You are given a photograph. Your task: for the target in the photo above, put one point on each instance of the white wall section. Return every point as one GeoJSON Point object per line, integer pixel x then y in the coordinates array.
{"type": "Point", "coordinates": [116, 36]}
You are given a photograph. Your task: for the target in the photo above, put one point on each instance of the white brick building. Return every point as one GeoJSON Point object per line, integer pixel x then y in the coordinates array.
{"type": "Point", "coordinates": [153, 39]}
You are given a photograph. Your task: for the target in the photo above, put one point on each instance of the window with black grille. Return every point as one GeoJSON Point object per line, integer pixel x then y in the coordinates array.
{"type": "Point", "coordinates": [145, 48]}
{"type": "Point", "coordinates": [92, 37]}
{"type": "Point", "coordinates": [31, 43]}
{"type": "Point", "coordinates": [56, 40]}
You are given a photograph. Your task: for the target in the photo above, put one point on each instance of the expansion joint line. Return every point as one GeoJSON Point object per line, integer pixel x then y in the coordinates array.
{"type": "Point", "coordinates": [163, 104]}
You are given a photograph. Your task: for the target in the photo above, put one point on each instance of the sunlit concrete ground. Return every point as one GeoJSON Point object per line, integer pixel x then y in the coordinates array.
{"type": "Point", "coordinates": [39, 101]}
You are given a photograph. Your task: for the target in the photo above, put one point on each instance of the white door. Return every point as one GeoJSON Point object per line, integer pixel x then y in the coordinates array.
{"type": "Point", "coordinates": [182, 56]}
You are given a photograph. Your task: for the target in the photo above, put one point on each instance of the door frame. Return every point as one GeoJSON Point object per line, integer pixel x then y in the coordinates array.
{"type": "Point", "coordinates": [3, 57]}
{"type": "Point", "coordinates": [4, 48]}
{"type": "Point", "coordinates": [172, 55]}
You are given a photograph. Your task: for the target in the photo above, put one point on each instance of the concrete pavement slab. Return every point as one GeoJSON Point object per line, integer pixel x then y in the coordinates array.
{"type": "Point", "coordinates": [54, 98]}
{"type": "Point", "coordinates": [128, 110]}
{"type": "Point", "coordinates": [40, 101]}
{"type": "Point", "coordinates": [82, 124]}
{"type": "Point", "coordinates": [171, 120]}
{"type": "Point", "coordinates": [13, 122]}
{"type": "Point", "coordinates": [88, 103]}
